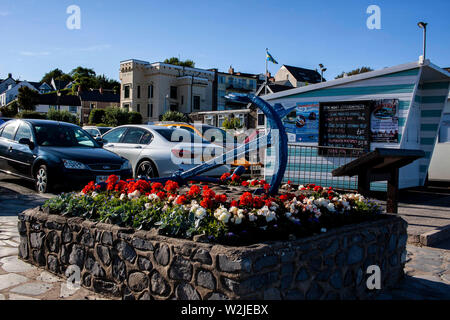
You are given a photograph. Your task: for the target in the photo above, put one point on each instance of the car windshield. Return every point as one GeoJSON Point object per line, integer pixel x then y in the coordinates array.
{"type": "Point", "coordinates": [179, 135]}
{"type": "Point", "coordinates": [63, 136]}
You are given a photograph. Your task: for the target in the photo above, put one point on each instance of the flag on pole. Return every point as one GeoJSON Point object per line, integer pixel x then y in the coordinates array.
{"type": "Point", "coordinates": [270, 58]}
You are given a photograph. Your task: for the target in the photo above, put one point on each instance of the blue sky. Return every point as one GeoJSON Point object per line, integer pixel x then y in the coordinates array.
{"type": "Point", "coordinates": [218, 34]}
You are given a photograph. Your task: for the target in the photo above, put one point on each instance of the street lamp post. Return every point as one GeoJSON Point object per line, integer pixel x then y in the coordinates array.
{"type": "Point", "coordinates": [423, 25]}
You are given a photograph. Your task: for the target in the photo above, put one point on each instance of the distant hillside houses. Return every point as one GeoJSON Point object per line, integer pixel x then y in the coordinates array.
{"type": "Point", "coordinates": [9, 88]}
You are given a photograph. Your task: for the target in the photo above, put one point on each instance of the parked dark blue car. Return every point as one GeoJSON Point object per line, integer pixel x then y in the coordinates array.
{"type": "Point", "coordinates": [51, 153]}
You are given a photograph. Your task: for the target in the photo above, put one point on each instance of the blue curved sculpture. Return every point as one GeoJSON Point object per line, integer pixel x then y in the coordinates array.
{"type": "Point", "coordinates": [274, 114]}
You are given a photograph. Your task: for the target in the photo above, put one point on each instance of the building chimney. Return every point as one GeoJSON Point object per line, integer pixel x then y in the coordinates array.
{"type": "Point", "coordinates": [9, 75]}
{"type": "Point", "coordinates": [231, 70]}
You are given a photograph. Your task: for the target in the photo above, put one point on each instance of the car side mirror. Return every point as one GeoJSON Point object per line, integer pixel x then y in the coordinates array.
{"type": "Point", "coordinates": [99, 140]}
{"type": "Point", "coordinates": [27, 142]}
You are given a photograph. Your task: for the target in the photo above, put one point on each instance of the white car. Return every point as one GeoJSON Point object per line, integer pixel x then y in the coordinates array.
{"type": "Point", "coordinates": [96, 132]}
{"type": "Point", "coordinates": [156, 151]}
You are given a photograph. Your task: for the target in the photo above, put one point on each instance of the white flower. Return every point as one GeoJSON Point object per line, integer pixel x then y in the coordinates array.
{"type": "Point", "coordinates": [252, 217]}
{"type": "Point", "coordinates": [200, 212]}
{"type": "Point", "coordinates": [222, 214]}
{"type": "Point", "coordinates": [134, 195]}
{"type": "Point", "coordinates": [300, 187]}
{"type": "Point", "coordinates": [237, 218]}
{"type": "Point", "coordinates": [123, 196]}
{"type": "Point", "coordinates": [94, 194]}
{"type": "Point", "coordinates": [148, 205]}
{"type": "Point", "coordinates": [153, 196]}
{"type": "Point", "coordinates": [233, 210]}
{"type": "Point", "coordinates": [330, 207]}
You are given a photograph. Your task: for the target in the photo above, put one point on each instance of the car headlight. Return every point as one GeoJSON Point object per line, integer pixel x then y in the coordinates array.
{"type": "Point", "coordinates": [126, 165]}
{"type": "Point", "coordinates": [71, 164]}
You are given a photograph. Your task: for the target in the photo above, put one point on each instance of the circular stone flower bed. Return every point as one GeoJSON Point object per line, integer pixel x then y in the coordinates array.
{"type": "Point", "coordinates": [228, 213]}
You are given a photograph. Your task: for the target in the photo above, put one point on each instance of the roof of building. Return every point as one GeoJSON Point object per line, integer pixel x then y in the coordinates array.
{"type": "Point", "coordinates": [60, 84]}
{"type": "Point", "coordinates": [304, 75]}
{"type": "Point", "coordinates": [95, 95]}
{"type": "Point", "coordinates": [52, 99]}
{"type": "Point", "coordinates": [275, 87]}
{"type": "Point", "coordinates": [362, 76]}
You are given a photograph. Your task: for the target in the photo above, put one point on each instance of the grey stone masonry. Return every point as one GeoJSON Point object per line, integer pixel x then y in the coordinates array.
{"type": "Point", "coordinates": [139, 265]}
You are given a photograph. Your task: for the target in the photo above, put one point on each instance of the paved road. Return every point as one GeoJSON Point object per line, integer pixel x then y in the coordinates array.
{"type": "Point", "coordinates": [427, 269]}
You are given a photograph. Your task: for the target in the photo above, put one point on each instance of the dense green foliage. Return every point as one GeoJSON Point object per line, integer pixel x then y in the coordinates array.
{"type": "Point", "coordinates": [27, 98]}
{"type": "Point", "coordinates": [232, 123]}
{"type": "Point", "coordinates": [10, 110]}
{"type": "Point", "coordinates": [97, 116]}
{"type": "Point", "coordinates": [175, 61]}
{"type": "Point", "coordinates": [175, 116]}
{"type": "Point", "coordinates": [353, 72]}
{"type": "Point", "coordinates": [27, 114]}
{"type": "Point", "coordinates": [63, 115]}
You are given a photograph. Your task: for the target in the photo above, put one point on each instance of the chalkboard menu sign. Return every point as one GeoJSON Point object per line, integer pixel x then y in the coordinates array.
{"type": "Point", "coordinates": [344, 125]}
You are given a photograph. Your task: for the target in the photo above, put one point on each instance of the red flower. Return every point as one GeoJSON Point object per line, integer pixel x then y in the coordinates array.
{"type": "Point", "coordinates": [258, 202]}
{"type": "Point", "coordinates": [246, 199]}
{"type": "Point", "coordinates": [171, 186]}
{"type": "Point", "coordinates": [254, 182]}
{"type": "Point", "coordinates": [289, 182]}
{"type": "Point", "coordinates": [89, 187]}
{"type": "Point", "coordinates": [161, 194]}
{"type": "Point", "coordinates": [244, 183]}
{"type": "Point", "coordinates": [222, 198]}
{"type": "Point", "coordinates": [110, 186]}
{"type": "Point", "coordinates": [181, 199]}
{"type": "Point", "coordinates": [225, 176]}
{"type": "Point", "coordinates": [142, 185]}
{"type": "Point", "coordinates": [318, 188]}
{"type": "Point", "coordinates": [262, 182]}
{"type": "Point", "coordinates": [268, 202]}
{"type": "Point", "coordinates": [206, 203]}
{"type": "Point", "coordinates": [235, 178]}
{"type": "Point", "coordinates": [330, 197]}
{"type": "Point", "coordinates": [234, 203]}
{"type": "Point", "coordinates": [112, 179]}
{"type": "Point", "coordinates": [121, 186]}
{"type": "Point", "coordinates": [156, 187]}
{"type": "Point", "coordinates": [266, 187]}
{"type": "Point", "coordinates": [284, 197]}
{"type": "Point", "coordinates": [208, 193]}
{"type": "Point", "coordinates": [194, 191]}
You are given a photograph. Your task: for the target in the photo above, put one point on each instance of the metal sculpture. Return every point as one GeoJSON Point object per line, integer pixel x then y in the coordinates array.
{"type": "Point", "coordinates": [273, 114]}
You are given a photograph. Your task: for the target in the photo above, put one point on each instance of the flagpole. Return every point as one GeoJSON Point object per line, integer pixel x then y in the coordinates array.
{"type": "Point", "coordinates": [265, 82]}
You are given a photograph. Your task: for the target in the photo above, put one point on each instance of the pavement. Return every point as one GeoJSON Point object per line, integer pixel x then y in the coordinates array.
{"type": "Point", "coordinates": [427, 267]}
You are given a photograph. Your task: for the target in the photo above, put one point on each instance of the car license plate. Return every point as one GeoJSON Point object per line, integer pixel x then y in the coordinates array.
{"type": "Point", "coordinates": [99, 179]}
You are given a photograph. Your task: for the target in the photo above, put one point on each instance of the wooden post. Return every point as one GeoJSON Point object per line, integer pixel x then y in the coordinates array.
{"type": "Point", "coordinates": [392, 192]}
{"type": "Point", "coordinates": [364, 183]}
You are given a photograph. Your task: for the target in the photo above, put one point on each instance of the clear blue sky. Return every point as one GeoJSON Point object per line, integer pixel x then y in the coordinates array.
{"type": "Point", "coordinates": [218, 34]}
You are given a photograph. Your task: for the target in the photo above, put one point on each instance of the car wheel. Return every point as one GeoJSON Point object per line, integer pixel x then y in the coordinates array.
{"type": "Point", "coordinates": [146, 169]}
{"type": "Point", "coordinates": [42, 180]}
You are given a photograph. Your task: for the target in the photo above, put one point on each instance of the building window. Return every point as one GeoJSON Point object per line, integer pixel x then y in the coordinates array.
{"type": "Point", "coordinates": [220, 120]}
{"type": "Point", "coordinates": [150, 91]}
{"type": "Point", "coordinates": [92, 106]}
{"type": "Point", "coordinates": [209, 120]}
{"type": "Point", "coordinates": [72, 109]}
{"type": "Point", "coordinates": [261, 119]}
{"type": "Point", "coordinates": [150, 110]}
{"type": "Point", "coordinates": [126, 90]}
{"type": "Point", "coordinates": [173, 92]}
{"type": "Point", "coordinates": [241, 118]}
{"type": "Point", "coordinates": [182, 100]}
{"type": "Point", "coordinates": [221, 79]}
{"type": "Point", "coordinates": [138, 92]}
{"type": "Point", "coordinates": [126, 106]}
{"type": "Point", "coordinates": [197, 102]}
{"type": "Point", "coordinates": [138, 108]}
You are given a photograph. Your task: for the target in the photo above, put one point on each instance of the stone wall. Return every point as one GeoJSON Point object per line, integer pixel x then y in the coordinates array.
{"type": "Point", "coordinates": [144, 265]}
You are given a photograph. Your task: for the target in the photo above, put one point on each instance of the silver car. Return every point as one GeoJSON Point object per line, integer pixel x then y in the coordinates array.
{"type": "Point", "coordinates": [95, 131]}
{"type": "Point", "coordinates": [156, 151]}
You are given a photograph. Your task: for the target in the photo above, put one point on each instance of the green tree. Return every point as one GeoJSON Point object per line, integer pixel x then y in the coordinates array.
{"type": "Point", "coordinates": [62, 115]}
{"type": "Point", "coordinates": [28, 114]}
{"type": "Point", "coordinates": [116, 117]}
{"type": "Point", "coordinates": [27, 98]}
{"type": "Point", "coordinates": [56, 74]}
{"type": "Point", "coordinates": [134, 118]}
{"type": "Point", "coordinates": [355, 71]}
{"type": "Point", "coordinates": [10, 110]}
{"type": "Point", "coordinates": [84, 77]}
{"type": "Point", "coordinates": [175, 116]}
{"type": "Point", "coordinates": [231, 123]}
{"type": "Point", "coordinates": [97, 116]}
{"type": "Point", "coordinates": [175, 61]}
